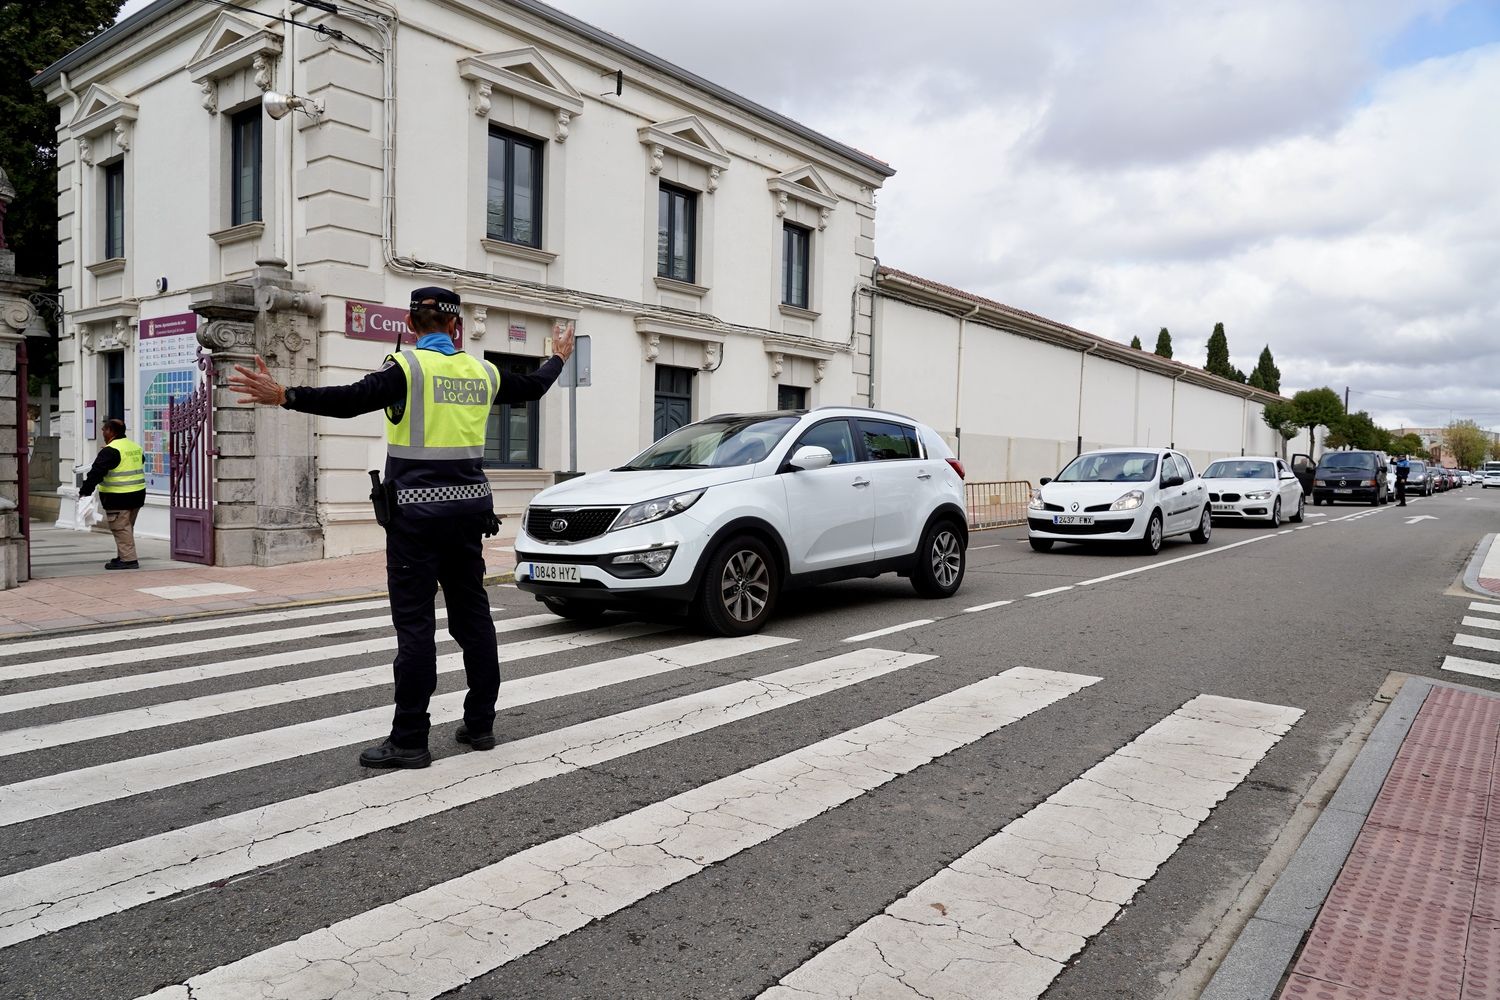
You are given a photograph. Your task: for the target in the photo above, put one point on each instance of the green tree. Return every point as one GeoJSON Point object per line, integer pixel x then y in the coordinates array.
{"type": "Point", "coordinates": [1218, 356]}
{"type": "Point", "coordinates": [1164, 343]}
{"type": "Point", "coordinates": [33, 35]}
{"type": "Point", "coordinates": [1358, 430]}
{"type": "Point", "coordinates": [1281, 418]}
{"type": "Point", "coordinates": [1135, 342]}
{"type": "Point", "coordinates": [1467, 442]}
{"type": "Point", "coordinates": [1266, 372]}
{"type": "Point", "coordinates": [1495, 451]}
{"type": "Point", "coordinates": [1408, 444]}
{"type": "Point", "coordinates": [1318, 408]}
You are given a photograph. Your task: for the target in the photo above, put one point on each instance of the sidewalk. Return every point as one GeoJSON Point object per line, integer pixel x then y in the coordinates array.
{"type": "Point", "coordinates": [1395, 892]}
{"type": "Point", "coordinates": [1483, 572]}
{"type": "Point", "coordinates": [70, 589]}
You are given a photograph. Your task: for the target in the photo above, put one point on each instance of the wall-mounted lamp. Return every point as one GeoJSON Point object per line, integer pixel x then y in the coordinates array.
{"type": "Point", "coordinates": [278, 106]}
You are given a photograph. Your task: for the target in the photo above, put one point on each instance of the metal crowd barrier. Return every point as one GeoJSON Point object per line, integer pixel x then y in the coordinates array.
{"type": "Point", "coordinates": [993, 505]}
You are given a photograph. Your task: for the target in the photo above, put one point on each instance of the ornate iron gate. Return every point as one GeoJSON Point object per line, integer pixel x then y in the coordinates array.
{"type": "Point", "coordinates": [190, 464]}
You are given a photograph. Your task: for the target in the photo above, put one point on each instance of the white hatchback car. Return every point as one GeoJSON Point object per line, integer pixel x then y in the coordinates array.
{"type": "Point", "coordinates": [720, 516]}
{"type": "Point", "coordinates": [1256, 487]}
{"type": "Point", "coordinates": [1138, 495]}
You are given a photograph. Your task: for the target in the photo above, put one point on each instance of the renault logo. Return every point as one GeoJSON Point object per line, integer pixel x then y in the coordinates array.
{"type": "Point", "coordinates": [559, 525]}
{"type": "Point", "coordinates": [1075, 504]}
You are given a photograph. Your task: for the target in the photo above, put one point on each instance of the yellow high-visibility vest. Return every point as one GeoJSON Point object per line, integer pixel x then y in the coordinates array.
{"type": "Point", "coordinates": [435, 444]}
{"type": "Point", "coordinates": [130, 475]}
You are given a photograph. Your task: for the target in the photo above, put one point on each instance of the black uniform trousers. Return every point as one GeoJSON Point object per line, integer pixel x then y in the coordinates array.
{"type": "Point", "coordinates": [422, 554]}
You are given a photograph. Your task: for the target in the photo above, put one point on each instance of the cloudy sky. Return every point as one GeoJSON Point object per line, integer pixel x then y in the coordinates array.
{"type": "Point", "coordinates": [1322, 177]}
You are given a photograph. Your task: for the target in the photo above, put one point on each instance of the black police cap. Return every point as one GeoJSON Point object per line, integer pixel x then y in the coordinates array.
{"type": "Point", "coordinates": [444, 300]}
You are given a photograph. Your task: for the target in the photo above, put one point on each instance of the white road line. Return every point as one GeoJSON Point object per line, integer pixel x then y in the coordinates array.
{"type": "Point", "coordinates": [1054, 590]}
{"type": "Point", "coordinates": [112, 636]}
{"type": "Point", "coordinates": [1488, 623]}
{"type": "Point", "coordinates": [63, 694]}
{"type": "Point", "coordinates": [978, 548]}
{"type": "Point", "coordinates": [219, 644]}
{"type": "Point", "coordinates": [420, 946]}
{"type": "Point", "coordinates": [889, 631]}
{"type": "Point", "coordinates": [76, 890]}
{"type": "Point", "coordinates": [1026, 900]}
{"type": "Point", "coordinates": [1171, 562]}
{"type": "Point", "coordinates": [68, 790]}
{"type": "Point", "coordinates": [987, 607]}
{"type": "Point", "coordinates": [1302, 527]}
{"type": "Point", "coordinates": [1475, 668]}
{"type": "Point", "coordinates": [1477, 642]}
{"type": "Point", "coordinates": [1493, 609]}
{"type": "Point", "coordinates": [1288, 531]}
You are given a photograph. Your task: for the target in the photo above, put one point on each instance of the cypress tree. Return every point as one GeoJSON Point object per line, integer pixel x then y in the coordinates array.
{"type": "Point", "coordinates": [1135, 342]}
{"type": "Point", "coordinates": [1164, 343]}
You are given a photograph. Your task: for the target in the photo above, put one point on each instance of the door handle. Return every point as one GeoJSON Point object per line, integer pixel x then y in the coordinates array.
{"type": "Point", "coordinates": [861, 482]}
{"type": "Point", "coordinates": [924, 475]}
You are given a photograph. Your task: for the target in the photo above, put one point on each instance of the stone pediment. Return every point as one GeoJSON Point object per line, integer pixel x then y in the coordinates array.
{"type": "Point", "coordinates": [232, 44]}
{"type": "Point", "coordinates": [100, 109]}
{"type": "Point", "coordinates": [805, 184]}
{"type": "Point", "coordinates": [523, 73]}
{"type": "Point", "coordinates": [686, 137]}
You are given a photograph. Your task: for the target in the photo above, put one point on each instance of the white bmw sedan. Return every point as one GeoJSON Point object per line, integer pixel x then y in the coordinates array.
{"type": "Point", "coordinates": [1253, 488]}
{"type": "Point", "coordinates": [1135, 495]}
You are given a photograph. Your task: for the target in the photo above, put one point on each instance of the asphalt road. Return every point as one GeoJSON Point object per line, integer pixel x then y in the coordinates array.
{"type": "Point", "coordinates": [1313, 620]}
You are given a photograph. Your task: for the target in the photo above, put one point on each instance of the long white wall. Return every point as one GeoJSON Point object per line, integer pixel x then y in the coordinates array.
{"type": "Point", "coordinates": [1015, 408]}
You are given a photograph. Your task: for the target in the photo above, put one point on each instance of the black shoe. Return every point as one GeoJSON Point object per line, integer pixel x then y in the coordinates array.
{"type": "Point", "coordinates": [475, 741]}
{"type": "Point", "coordinates": [390, 755]}
{"type": "Point", "coordinates": [117, 564]}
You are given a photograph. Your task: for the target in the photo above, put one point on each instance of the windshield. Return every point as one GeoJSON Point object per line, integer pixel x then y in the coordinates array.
{"type": "Point", "coordinates": [1110, 467]}
{"type": "Point", "coordinates": [1240, 469]}
{"type": "Point", "coordinates": [714, 444]}
{"type": "Point", "coordinates": [1418, 466]}
{"type": "Point", "coordinates": [1492, 467]}
{"type": "Point", "coordinates": [1348, 460]}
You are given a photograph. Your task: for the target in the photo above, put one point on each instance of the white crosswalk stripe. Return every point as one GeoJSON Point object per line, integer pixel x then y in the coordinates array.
{"type": "Point", "coordinates": [1108, 830]}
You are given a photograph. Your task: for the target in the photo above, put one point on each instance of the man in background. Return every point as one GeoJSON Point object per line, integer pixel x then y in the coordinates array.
{"type": "Point", "coordinates": [119, 474]}
{"type": "Point", "coordinates": [1403, 469]}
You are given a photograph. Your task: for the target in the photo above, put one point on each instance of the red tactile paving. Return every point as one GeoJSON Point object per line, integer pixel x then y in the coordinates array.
{"type": "Point", "coordinates": [1415, 913]}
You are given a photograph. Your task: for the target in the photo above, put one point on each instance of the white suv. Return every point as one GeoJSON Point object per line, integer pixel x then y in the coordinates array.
{"type": "Point", "coordinates": [720, 516]}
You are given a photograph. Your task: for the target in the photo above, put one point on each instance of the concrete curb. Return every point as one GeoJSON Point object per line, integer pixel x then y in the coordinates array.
{"type": "Point", "coordinates": [490, 580]}
{"type": "Point", "coordinates": [1476, 563]}
{"type": "Point", "coordinates": [1262, 954]}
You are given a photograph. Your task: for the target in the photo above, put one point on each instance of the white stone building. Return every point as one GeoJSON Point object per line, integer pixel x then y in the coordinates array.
{"type": "Point", "coordinates": [719, 256]}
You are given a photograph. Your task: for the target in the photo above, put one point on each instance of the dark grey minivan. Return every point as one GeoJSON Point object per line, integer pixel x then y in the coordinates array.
{"type": "Point", "coordinates": [1355, 476]}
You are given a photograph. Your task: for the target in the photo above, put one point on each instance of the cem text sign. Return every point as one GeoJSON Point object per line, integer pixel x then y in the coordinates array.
{"type": "Point", "coordinates": [382, 324]}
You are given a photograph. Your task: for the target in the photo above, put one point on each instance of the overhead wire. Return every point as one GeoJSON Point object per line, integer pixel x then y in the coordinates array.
{"type": "Point", "coordinates": [321, 29]}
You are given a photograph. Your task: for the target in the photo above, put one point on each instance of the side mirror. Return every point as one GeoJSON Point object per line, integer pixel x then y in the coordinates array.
{"type": "Point", "coordinates": [1171, 481]}
{"type": "Point", "coordinates": [1044, 481]}
{"type": "Point", "coordinates": [810, 457]}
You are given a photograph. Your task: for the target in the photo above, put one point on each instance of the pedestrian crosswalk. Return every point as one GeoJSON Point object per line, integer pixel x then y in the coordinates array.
{"type": "Point", "coordinates": [1481, 627]}
{"type": "Point", "coordinates": [201, 726]}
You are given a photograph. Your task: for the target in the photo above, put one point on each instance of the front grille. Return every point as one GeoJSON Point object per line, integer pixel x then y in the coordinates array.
{"type": "Point", "coordinates": [1097, 528]}
{"type": "Point", "coordinates": [1096, 508]}
{"type": "Point", "coordinates": [579, 524]}
{"type": "Point", "coordinates": [1227, 497]}
{"type": "Point", "coordinates": [1052, 506]}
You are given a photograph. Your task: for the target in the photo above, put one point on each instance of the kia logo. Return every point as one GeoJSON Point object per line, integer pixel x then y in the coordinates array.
{"type": "Point", "coordinates": [559, 525]}
{"type": "Point", "coordinates": [1075, 504]}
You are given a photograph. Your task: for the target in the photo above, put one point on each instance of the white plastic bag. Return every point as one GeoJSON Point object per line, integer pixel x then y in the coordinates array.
{"type": "Point", "coordinates": [88, 513]}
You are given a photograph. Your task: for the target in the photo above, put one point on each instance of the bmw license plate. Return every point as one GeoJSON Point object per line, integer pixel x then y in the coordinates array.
{"type": "Point", "coordinates": [1224, 506]}
{"type": "Point", "coordinates": [554, 573]}
{"type": "Point", "coordinates": [1072, 519]}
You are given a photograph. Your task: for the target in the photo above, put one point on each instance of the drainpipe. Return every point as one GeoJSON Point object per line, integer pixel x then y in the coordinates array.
{"type": "Point", "coordinates": [874, 308]}
{"type": "Point", "coordinates": [76, 280]}
{"type": "Point", "coordinates": [958, 387]}
{"type": "Point", "coordinates": [1244, 417]}
{"type": "Point", "coordinates": [1172, 434]}
{"type": "Point", "coordinates": [1082, 360]}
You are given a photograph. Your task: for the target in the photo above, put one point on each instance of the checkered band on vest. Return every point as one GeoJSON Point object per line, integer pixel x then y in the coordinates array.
{"type": "Point", "coordinates": [439, 494]}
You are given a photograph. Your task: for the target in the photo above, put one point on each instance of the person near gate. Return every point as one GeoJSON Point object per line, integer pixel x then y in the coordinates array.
{"type": "Point", "coordinates": [435, 504]}
{"type": "Point", "coordinates": [119, 474]}
{"type": "Point", "coordinates": [1403, 470]}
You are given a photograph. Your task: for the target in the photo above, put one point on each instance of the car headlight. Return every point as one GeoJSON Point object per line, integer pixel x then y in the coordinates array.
{"type": "Point", "coordinates": [655, 510]}
{"type": "Point", "coordinates": [1129, 501]}
{"type": "Point", "coordinates": [1319, 482]}
{"type": "Point", "coordinates": [653, 562]}
{"type": "Point", "coordinates": [1259, 495]}
{"type": "Point", "coordinates": [1036, 501]}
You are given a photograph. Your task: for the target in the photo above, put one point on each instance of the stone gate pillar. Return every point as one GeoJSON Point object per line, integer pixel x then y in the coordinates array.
{"type": "Point", "coordinates": [265, 489]}
{"type": "Point", "coordinates": [17, 315]}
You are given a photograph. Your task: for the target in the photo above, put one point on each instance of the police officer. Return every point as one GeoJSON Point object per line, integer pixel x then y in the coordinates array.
{"type": "Point", "coordinates": [437, 402]}
{"type": "Point", "coordinates": [119, 474]}
{"type": "Point", "coordinates": [1403, 470]}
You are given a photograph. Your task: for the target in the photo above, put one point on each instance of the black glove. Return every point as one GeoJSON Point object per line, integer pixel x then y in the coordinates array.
{"type": "Point", "coordinates": [86, 491]}
{"type": "Point", "coordinates": [491, 525]}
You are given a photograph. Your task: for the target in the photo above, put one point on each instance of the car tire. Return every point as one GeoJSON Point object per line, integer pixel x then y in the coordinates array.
{"type": "Point", "coordinates": [1298, 517]}
{"type": "Point", "coordinates": [1205, 529]}
{"type": "Point", "coordinates": [739, 589]}
{"type": "Point", "coordinates": [1040, 544]}
{"type": "Point", "coordinates": [1150, 542]}
{"type": "Point", "coordinates": [1276, 513]}
{"type": "Point", "coordinates": [578, 611]}
{"type": "Point", "coordinates": [940, 561]}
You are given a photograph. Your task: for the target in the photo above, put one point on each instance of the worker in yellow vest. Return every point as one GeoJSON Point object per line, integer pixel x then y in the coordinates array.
{"type": "Point", "coordinates": [438, 504]}
{"type": "Point", "coordinates": [119, 474]}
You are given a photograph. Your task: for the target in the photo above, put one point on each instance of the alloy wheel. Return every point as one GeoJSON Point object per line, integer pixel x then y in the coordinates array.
{"type": "Point", "coordinates": [1155, 531]}
{"type": "Point", "coordinates": [745, 586]}
{"type": "Point", "coordinates": [947, 558]}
